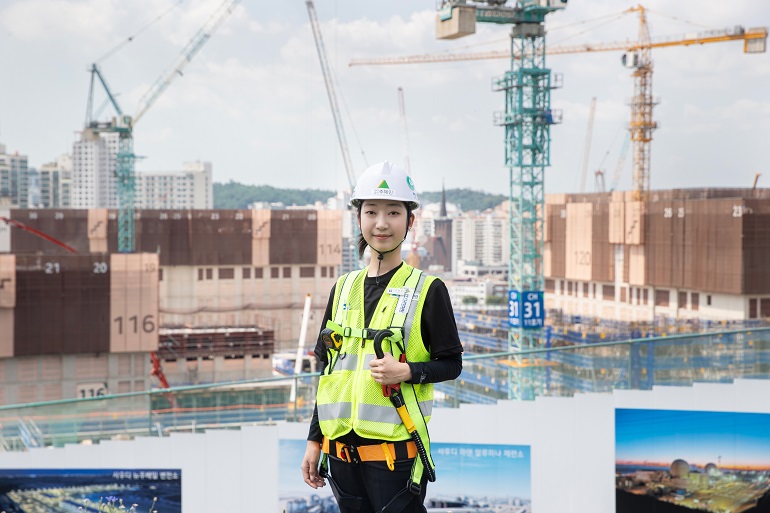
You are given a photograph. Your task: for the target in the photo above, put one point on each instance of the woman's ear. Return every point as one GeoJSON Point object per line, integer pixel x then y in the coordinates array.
{"type": "Point", "coordinates": [411, 220]}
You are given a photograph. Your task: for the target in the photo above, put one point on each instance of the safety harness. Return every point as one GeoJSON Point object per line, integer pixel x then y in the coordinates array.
{"type": "Point", "coordinates": [399, 329]}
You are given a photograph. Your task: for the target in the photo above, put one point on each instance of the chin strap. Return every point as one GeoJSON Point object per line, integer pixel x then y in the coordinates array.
{"type": "Point", "coordinates": [380, 254]}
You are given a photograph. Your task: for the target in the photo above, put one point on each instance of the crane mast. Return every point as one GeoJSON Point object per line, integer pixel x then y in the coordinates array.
{"type": "Point", "coordinates": [527, 122]}
{"type": "Point", "coordinates": [402, 113]}
{"type": "Point", "coordinates": [413, 258]}
{"type": "Point", "coordinates": [587, 148]}
{"type": "Point", "coordinates": [619, 164]}
{"type": "Point", "coordinates": [599, 184]}
{"type": "Point", "coordinates": [642, 103]}
{"type": "Point", "coordinates": [331, 93]}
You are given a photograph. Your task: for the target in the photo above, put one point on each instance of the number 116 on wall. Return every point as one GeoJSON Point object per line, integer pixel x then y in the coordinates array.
{"type": "Point", "coordinates": [525, 309]}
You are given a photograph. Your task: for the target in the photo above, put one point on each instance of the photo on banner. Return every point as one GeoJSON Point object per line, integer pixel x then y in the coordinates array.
{"type": "Point", "coordinates": [669, 461]}
{"type": "Point", "coordinates": [486, 478]}
{"type": "Point", "coordinates": [91, 490]}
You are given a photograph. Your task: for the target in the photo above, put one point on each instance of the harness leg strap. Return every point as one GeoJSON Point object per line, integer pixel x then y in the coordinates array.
{"type": "Point", "coordinates": [402, 499]}
{"type": "Point", "coordinates": [344, 500]}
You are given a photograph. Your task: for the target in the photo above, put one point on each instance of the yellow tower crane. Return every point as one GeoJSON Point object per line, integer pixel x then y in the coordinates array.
{"type": "Point", "coordinates": [637, 56]}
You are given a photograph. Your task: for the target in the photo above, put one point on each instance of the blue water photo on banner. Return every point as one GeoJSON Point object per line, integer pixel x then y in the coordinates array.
{"type": "Point", "coordinates": [684, 461]}
{"type": "Point", "coordinates": [90, 490]}
{"type": "Point", "coordinates": [485, 478]}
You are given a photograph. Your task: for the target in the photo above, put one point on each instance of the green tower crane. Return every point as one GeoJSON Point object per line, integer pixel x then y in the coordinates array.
{"type": "Point", "coordinates": [123, 125]}
{"type": "Point", "coordinates": [527, 121]}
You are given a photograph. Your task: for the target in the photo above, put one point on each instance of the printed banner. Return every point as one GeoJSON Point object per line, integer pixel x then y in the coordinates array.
{"type": "Point", "coordinates": [484, 478]}
{"type": "Point", "coordinates": [680, 461]}
{"type": "Point", "coordinates": [91, 490]}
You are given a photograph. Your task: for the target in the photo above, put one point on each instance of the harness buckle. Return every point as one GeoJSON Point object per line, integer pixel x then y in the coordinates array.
{"type": "Point", "coordinates": [349, 454]}
{"type": "Point", "coordinates": [414, 488]}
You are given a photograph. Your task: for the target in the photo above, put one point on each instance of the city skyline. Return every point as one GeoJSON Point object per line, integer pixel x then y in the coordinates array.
{"type": "Point", "coordinates": [253, 101]}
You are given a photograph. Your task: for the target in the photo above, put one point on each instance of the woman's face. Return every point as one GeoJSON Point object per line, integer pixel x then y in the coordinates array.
{"type": "Point", "coordinates": [384, 223]}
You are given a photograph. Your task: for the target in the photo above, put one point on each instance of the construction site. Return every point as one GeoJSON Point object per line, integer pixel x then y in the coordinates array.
{"type": "Point", "coordinates": [616, 347]}
{"type": "Point", "coordinates": [122, 300]}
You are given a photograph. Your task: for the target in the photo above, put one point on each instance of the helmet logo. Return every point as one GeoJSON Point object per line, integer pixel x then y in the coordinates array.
{"type": "Point", "coordinates": [383, 185]}
{"type": "Point", "coordinates": [410, 183]}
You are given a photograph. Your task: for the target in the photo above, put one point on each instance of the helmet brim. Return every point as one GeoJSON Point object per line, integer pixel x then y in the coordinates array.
{"type": "Point", "coordinates": [413, 205]}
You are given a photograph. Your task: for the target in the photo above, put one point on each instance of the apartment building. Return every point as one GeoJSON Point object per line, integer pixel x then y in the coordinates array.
{"type": "Point", "coordinates": [14, 178]}
{"type": "Point", "coordinates": [481, 237]}
{"type": "Point", "coordinates": [94, 161]}
{"type": "Point", "coordinates": [190, 188]}
{"type": "Point", "coordinates": [55, 183]}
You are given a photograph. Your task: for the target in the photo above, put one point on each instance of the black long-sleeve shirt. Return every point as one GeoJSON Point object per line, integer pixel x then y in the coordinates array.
{"type": "Point", "coordinates": [438, 330]}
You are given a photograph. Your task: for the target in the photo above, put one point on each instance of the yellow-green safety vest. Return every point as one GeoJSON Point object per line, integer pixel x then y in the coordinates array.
{"type": "Point", "coordinates": [348, 398]}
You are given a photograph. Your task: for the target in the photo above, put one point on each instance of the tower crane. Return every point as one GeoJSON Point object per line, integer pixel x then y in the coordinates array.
{"type": "Point", "coordinates": [587, 149]}
{"type": "Point", "coordinates": [331, 93]}
{"type": "Point", "coordinates": [637, 55]}
{"type": "Point", "coordinates": [402, 113]}
{"type": "Point", "coordinates": [414, 256]}
{"type": "Point", "coordinates": [642, 103]}
{"type": "Point", "coordinates": [123, 125]}
{"type": "Point", "coordinates": [599, 185]}
{"type": "Point", "coordinates": [619, 164]}
{"type": "Point", "coordinates": [527, 122]}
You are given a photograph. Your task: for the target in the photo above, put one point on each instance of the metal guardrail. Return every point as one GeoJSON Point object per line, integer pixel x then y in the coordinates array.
{"type": "Point", "coordinates": [599, 367]}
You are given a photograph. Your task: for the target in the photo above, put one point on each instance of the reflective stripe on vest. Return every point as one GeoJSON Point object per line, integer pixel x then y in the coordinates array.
{"type": "Point", "coordinates": [376, 413]}
{"type": "Point", "coordinates": [348, 363]}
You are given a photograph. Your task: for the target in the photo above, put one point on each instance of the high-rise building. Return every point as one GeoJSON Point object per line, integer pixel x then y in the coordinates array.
{"type": "Point", "coordinates": [14, 178]}
{"type": "Point", "coordinates": [190, 188]}
{"type": "Point", "coordinates": [481, 238]}
{"type": "Point", "coordinates": [55, 180]}
{"type": "Point", "coordinates": [94, 186]}
{"type": "Point", "coordinates": [94, 159]}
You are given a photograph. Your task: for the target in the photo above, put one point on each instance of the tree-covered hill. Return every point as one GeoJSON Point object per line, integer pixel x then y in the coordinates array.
{"type": "Point", "coordinates": [237, 195]}
{"type": "Point", "coordinates": [466, 199]}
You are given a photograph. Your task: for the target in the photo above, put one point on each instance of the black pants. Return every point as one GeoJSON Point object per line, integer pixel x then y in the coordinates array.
{"type": "Point", "coordinates": [377, 483]}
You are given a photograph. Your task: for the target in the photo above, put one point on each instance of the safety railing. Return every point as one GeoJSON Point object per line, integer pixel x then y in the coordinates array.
{"type": "Point", "coordinates": [677, 360]}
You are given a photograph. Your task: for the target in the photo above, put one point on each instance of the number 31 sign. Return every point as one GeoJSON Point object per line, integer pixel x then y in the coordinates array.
{"type": "Point", "coordinates": [525, 309]}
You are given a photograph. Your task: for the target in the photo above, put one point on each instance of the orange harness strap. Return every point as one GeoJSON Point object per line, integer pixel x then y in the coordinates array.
{"type": "Point", "coordinates": [389, 452]}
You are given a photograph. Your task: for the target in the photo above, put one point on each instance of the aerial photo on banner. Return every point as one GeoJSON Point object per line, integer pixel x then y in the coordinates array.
{"type": "Point", "coordinates": [90, 490]}
{"type": "Point", "coordinates": [679, 461]}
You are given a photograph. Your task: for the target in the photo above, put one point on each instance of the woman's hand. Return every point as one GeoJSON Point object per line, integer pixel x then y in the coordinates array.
{"type": "Point", "coordinates": [310, 465]}
{"type": "Point", "coordinates": [389, 371]}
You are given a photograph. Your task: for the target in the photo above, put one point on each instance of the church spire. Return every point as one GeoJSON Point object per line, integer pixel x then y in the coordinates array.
{"type": "Point", "coordinates": [442, 213]}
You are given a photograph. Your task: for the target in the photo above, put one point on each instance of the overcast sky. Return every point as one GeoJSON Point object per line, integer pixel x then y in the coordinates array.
{"type": "Point", "coordinates": [253, 100]}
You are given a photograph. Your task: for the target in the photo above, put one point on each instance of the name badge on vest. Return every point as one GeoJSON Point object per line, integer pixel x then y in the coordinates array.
{"type": "Point", "coordinates": [405, 297]}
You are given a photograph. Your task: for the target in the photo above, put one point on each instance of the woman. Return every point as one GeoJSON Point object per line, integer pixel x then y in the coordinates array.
{"type": "Point", "coordinates": [374, 459]}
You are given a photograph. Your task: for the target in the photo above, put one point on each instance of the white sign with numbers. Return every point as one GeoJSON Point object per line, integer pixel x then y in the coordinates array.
{"type": "Point", "coordinates": [91, 390]}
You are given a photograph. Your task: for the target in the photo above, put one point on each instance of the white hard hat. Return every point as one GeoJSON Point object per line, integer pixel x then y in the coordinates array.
{"type": "Point", "coordinates": [385, 181]}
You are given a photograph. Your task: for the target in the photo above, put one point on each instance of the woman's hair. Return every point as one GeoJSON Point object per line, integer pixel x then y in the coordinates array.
{"type": "Point", "coordinates": [361, 242]}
